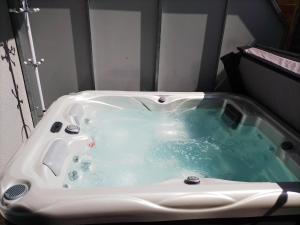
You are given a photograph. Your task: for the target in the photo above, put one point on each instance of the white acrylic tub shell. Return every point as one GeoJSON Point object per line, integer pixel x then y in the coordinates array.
{"type": "Point", "coordinates": [170, 200]}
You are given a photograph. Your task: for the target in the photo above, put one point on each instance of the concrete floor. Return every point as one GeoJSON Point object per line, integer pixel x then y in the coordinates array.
{"type": "Point", "coordinates": [2, 222]}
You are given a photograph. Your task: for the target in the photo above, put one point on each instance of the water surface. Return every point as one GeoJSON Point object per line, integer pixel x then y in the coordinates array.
{"type": "Point", "coordinates": [136, 147]}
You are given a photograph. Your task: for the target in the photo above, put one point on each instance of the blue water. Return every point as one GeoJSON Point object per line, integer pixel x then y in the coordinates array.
{"type": "Point", "coordinates": [134, 147]}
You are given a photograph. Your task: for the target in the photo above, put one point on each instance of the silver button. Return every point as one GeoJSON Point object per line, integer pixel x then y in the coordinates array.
{"type": "Point", "coordinates": [192, 180]}
{"type": "Point", "coordinates": [72, 129]}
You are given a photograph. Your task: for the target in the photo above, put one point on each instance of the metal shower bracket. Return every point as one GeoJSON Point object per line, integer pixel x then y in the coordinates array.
{"type": "Point", "coordinates": [30, 62]}
{"type": "Point", "coordinates": [25, 10]}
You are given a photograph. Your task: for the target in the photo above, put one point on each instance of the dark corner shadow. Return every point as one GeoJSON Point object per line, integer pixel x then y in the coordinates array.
{"type": "Point", "coordinates": [265, 24]}
{"type": "Point", "coordinates": [17, 18]}
{"type": "Point", "coordinates": [5, 32]}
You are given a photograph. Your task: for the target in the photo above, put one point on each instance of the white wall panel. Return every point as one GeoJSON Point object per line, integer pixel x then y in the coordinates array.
{"type": "Point", "coordinates": [191, 31]}
{"type": "Point", "coordinates": [123, 42]}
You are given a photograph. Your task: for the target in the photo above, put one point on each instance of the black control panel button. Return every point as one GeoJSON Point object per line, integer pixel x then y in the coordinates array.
{"type": "Point", "coordinates": [56, 127]}
{"type": "Point", "coordinates": [287, 145]}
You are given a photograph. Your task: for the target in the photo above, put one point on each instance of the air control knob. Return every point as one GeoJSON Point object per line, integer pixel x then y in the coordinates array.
{"type": "Point", "coordinates": [72, 129]}
{"type": "Point", "coordinates": [192, 180]}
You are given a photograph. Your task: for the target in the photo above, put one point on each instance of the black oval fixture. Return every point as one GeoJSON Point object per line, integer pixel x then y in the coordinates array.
{"type": "Point", "coordinates": [56, 127]}
{"type": "Point", "coordinates": [287, 145]}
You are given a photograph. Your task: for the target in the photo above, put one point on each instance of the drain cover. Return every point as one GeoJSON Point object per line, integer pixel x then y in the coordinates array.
{"type": "Point", "coordinates": [15, 192]}
{"type": "Point", "coordinates": [192, 180]}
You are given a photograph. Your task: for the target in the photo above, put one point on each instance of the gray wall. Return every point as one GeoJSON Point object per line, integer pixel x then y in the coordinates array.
{"type": "Point", "coordinates": [165, 45]}
{"type": "Point", "coordinates": [249, 22]}
{"type": "Point", "coordinates": [191, 31]}
{"type": "Point", "coordinates": [61, 34]}
{"type": "Point", "coordinates": [123, 37]}
{"type": "Point", "coordinates": [10, 121]}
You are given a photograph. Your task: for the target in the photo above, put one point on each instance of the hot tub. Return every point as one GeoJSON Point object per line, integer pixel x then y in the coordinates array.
{"type": "Point", "coordinates": [109, 157]}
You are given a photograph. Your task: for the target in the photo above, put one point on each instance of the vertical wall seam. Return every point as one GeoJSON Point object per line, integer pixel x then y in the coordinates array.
{"type": "Point", "coordinates": [90, 43]}
{"type": "Point", "coordinates": [221, 40]}
{"type": "Point", "coordinates": [158, 40]}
